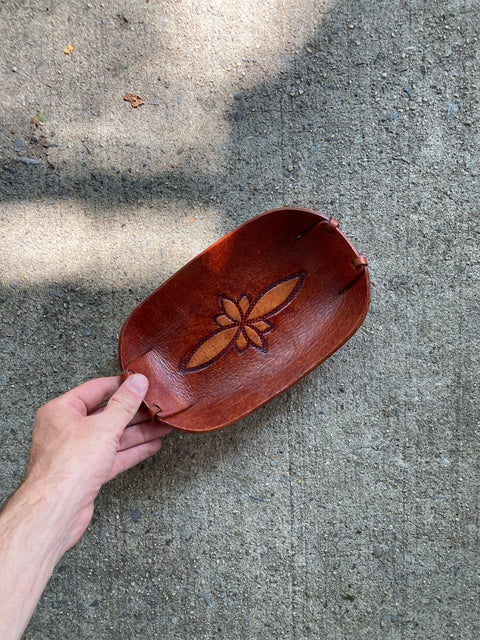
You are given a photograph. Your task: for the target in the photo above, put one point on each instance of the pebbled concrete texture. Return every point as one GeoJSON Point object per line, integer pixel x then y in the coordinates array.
{"type": "Point", "coordinates": [348, 507]}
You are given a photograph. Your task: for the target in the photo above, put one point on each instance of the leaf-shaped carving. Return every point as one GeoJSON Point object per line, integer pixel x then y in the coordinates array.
{"type": "Point", "coordinates": [239, 328]}
{"type": "Point", "coordinates": [276, 297]}
{"type": "Point", "coordinates": [210, 348]}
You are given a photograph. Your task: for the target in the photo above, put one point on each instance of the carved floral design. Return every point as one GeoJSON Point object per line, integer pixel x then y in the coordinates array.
{"type": "Point", "coordinates": [243, 323]}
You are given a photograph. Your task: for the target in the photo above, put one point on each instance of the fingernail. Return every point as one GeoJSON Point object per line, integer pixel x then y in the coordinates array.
{"type": "Point", "coordinates": [137, 383]}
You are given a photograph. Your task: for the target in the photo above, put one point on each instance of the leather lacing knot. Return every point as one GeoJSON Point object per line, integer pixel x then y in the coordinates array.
{"type": "Point", "coordinates": [331, 225]}
{"type": "Point", "coordinates": [154, 410]}
{"type": "Point", "coordinates": [359, 261]}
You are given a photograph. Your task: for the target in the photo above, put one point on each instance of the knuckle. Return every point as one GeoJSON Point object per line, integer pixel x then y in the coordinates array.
{"type": "Point", "coordinates": [44, 411]}
{"type": "Point", "coordinates": [40, 413]}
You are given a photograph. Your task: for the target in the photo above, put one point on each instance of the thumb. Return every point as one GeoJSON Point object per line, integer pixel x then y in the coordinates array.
{"type": "Point", "coordinates": [124, 403]}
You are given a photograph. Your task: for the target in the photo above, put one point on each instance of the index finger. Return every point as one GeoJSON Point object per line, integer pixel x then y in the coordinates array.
{"type": "Point", "coordinates": [90, 395]}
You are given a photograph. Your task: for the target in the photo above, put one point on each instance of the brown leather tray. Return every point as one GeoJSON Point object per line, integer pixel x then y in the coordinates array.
{"type": "Point", "coordinates": [246, 319]}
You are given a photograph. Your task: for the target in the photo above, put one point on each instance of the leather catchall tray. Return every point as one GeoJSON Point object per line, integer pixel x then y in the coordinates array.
{"type": "Point", "coordinates": [246, 319]}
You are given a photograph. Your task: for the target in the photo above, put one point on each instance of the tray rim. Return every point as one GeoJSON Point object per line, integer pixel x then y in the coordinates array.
{"type": "Point", "coordinates": [356, 325]}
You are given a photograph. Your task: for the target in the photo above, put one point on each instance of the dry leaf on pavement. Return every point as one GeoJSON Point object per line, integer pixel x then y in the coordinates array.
{"type": "Point", "coordinates": [135, 101]}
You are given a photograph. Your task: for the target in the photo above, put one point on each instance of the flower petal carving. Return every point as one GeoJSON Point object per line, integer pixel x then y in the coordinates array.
{"type": "Point", "coordinates": [231, 309]}
{"type": "Point", "coordinates": [242, 342]}
{"type": "Point", "coordinates": [210, 348]}
{"type": "Point", "coordinates": [244, 303]}
{"type": "Point", "coordinates": [261, 325]}
{"type": "Point", "coordinates": [276, 297]}
{"type": "Point", "coordinates": [255, 337]}
{"type": "Point", "coordinates": [222, 320]}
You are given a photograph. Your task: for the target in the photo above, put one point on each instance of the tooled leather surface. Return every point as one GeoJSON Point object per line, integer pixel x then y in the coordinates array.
{"type": "Point", "coordinates": [246, 319]}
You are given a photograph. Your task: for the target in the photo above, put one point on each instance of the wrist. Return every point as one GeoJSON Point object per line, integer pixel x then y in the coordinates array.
{"type": "Point", "coordinates": [66, 501]}
{"type": "Point", "coordinates": [33, 537]}
{"type": "Point", "coordinates": [39, 505]}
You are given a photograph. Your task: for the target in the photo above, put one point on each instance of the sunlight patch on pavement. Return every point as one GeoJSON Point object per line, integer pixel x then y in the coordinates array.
{"type": "Point", "coordinates": [65, 243]}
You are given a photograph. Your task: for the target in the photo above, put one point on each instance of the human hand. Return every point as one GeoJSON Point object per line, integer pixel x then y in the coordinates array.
{"type": "Point", "coordinates": [79, 443]}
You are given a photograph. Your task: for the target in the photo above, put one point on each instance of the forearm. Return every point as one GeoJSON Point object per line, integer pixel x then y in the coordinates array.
{"type": "Point", "coordinates": [32, 540]}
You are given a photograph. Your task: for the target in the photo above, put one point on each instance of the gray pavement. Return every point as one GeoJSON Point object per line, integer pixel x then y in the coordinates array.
{"type": "Point", "coordinates": [348, 507]}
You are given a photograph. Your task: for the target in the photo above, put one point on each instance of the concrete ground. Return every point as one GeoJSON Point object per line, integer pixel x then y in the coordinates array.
{"type": "Point", "coordinates": [348, 507]}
